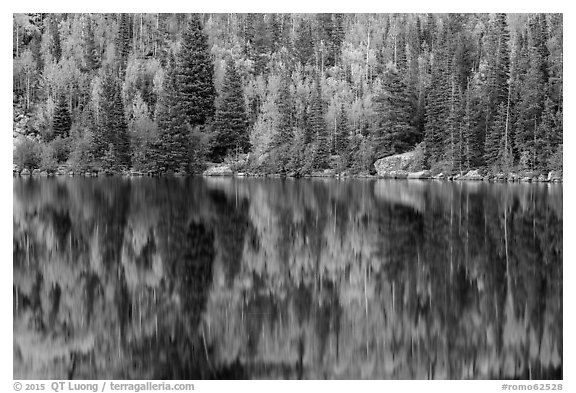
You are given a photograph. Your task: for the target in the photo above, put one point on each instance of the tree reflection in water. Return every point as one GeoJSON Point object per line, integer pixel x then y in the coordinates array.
{"type": "Point", "coordinates": [229, 278]}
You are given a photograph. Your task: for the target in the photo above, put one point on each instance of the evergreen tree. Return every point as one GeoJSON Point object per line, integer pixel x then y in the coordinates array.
{"type": "Point", "coordinates": [393, 133]}
{"type": "Point", "coordinates": [303, 43]}
{"type": "Point", "coordinates": [195, 76]}
{"type": "Point", "coordinates": [498, 63]}
{"type": "Point", "coordinates": [91, 57]}
{"type": "Point", "coordinates": [231, 121]}
{"type": "Point", "coordinates": [62, 122]}
{"type": "Point", "coordinates": [277, 33]}
{"type": "Point", "coordinates": [494, 146]}
{"type": "Point", "coordinates": [174, 140]}
{"type": "Point", "coordinates": [55, 45]}
{"type": "Point", "coordinates": [437, 104]}
{"type": "Point", "coordinates": [342, 132]}
{"type": "Point", "coordinates": [112, 132]}
{"type": "Point", "coordinates": [532, 98]}
{"type": "Point", "coordinates": [123, 42]}
{"type": "Point", "coordinates": [338, 36]}
{"type": "Point", "coordinates": [285, 132]}
{"type": "Point", "coordinates": [261, 45]}
{"type": "Point", "coordinates": [318, 128]}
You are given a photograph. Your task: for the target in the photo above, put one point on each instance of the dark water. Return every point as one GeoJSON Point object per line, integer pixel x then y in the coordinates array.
{"type": "Point", "coordinates": [231, 278]}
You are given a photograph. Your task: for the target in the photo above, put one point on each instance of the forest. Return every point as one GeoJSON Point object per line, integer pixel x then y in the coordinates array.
{"type": "Point", "coordinates": [286, 93]}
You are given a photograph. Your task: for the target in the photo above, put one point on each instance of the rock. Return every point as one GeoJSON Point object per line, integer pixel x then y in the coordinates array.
{"type": "Point", "coordinates": [554, 176]}
{"type": "Point", "coordinates": [512, 177]}
{"type": "Point", "coordinates": [526, 179]}
{"type": "Point", "coordinates": [324, 173]}
{"type": "Point", "coordinates": [25, 172]}
{"type": "Point", "coordinates": [240, 174]}
{"type": "Point", "coordinates": [439, 176]}
{"type": "Point", "coordinates": [419, 175]}
{"type": "Point", "coordinates": [500, 177]}
{"type": "Point", "coordinates": [218, 170]}
{"type": "Point", "coordinates": [397, 162]}
{"type": "Point", "coordinates": [472, 175]}
{"type": "Point", "coordinates": [399, 174]}
{"type": "Point", "coordinates": [542, 178]}
{"type": "Point", "coordinates": [44, 173]}
{"type": "Point", "coordinates": [36, 172]}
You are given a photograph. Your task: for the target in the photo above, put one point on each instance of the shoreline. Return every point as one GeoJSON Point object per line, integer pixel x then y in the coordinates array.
{"type": "Point", "coordinates": [553, 176]}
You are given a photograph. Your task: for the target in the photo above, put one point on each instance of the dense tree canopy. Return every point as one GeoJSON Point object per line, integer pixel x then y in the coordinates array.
{"type": "Point", "coordinates": [479, 90]}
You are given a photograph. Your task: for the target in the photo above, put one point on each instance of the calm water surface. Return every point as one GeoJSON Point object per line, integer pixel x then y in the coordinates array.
{"type": "Point", "coordinates": [251, 278]}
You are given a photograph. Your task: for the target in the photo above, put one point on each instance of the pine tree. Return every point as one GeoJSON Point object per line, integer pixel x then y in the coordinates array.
{"type": "Point", "coordinates": [173, 144]}
{"type": "Point", "coordinates": [277, 32]}
{"type": "Point", "coordinates": [194, 76]}
{"type": "Point", "coordinates": [62, 122]}
{"type": "Point", "coordinates": [548, 135]}
{"type": "Point", "coordinates": [285, 132]}
{"type": "Point", "coordinates": [55, 45]}
{"type": "Point", "coordinates": [338, 36]}
{"type": "Point", "coordinates": [494, 146]}
{"type": "Point", "coordinates": [437, 103]}
{"type": "Point", "coordinates": [91, 57]}
{"type": "Point", "coordinates": [393, 133]}
{"type": "Point", "coordinates": [532, 98]}
{"type": "Point", "coordinates": [303, 43]}
{"type": "Point", "coordinates": [342, 132]}
{"type": "Point", "coordinates": [123, 42]}
{"type": "Point", "coordinates": [261, 45]}
{"type": "Point", "coordinates": [318, 128]}
{"type": "Point", "coordinates": [498, 63]}
{"type": "Point", "coordinates": [112, 132]}
{"type": "Point", "coordinates": [231, 121]}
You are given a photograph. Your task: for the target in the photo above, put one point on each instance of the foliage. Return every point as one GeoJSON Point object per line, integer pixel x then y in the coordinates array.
{"type": "Point", "coordinates": [482, 91]}
{"type": "Point", "coordinates": [231, 122]}
{"type": "Point", "coordinates": [27, 154]}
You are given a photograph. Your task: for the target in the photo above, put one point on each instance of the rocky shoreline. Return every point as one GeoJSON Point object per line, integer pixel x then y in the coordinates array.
{"type": "Point", "coordinates": [226, 171]}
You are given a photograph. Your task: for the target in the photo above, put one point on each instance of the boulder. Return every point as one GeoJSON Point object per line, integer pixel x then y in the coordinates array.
{"type": "Point", "coordinates": [324, 173]}
{"type": "Point", "coordinates": [399, 174]}
{"type": "Point", "coordinates": [555, 176]}
{"type": "Point", "coordinates": [25, 172]}
{"type": "Point", "coordinates": [397, 162]}
{"type": "Point", "coordinates": [419, 175]}
{"type": "Point", "coordinates": [472, 175]}
{"type": "Point", "coordinates": [218, 170]}
{"type": "Point", "coordinates": [512, 177]}
{"type": "Point", "coordinates": [500, 177]}
{"type": "Point", "coordinates": [526, 179]}
{"type": "Point", "coordinates": [439, 176]}
{"type": "Point", "coordinates": [542, 178]}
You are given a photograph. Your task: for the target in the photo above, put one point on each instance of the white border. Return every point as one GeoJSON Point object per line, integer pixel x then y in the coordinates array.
{"type": "Point", "coordinates": [296, 6]}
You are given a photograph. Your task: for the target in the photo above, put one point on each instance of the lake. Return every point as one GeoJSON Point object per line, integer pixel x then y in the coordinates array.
{"type": "Point", "coordinates": [193, 278]}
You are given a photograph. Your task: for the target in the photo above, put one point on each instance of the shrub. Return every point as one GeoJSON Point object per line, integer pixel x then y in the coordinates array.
{"type": "Point", "coordinates": [48, 161]}
{"type": "Point", "coordinates": [27, 154]}
{"type": "Point", "coordinates": [81, 157]}
{"type": "Point", "coordinates": [555, 160]}
{"type": "Point", "coordinates": [61, 149]}
{"type": "Point", "coordinates": [444, 167]}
